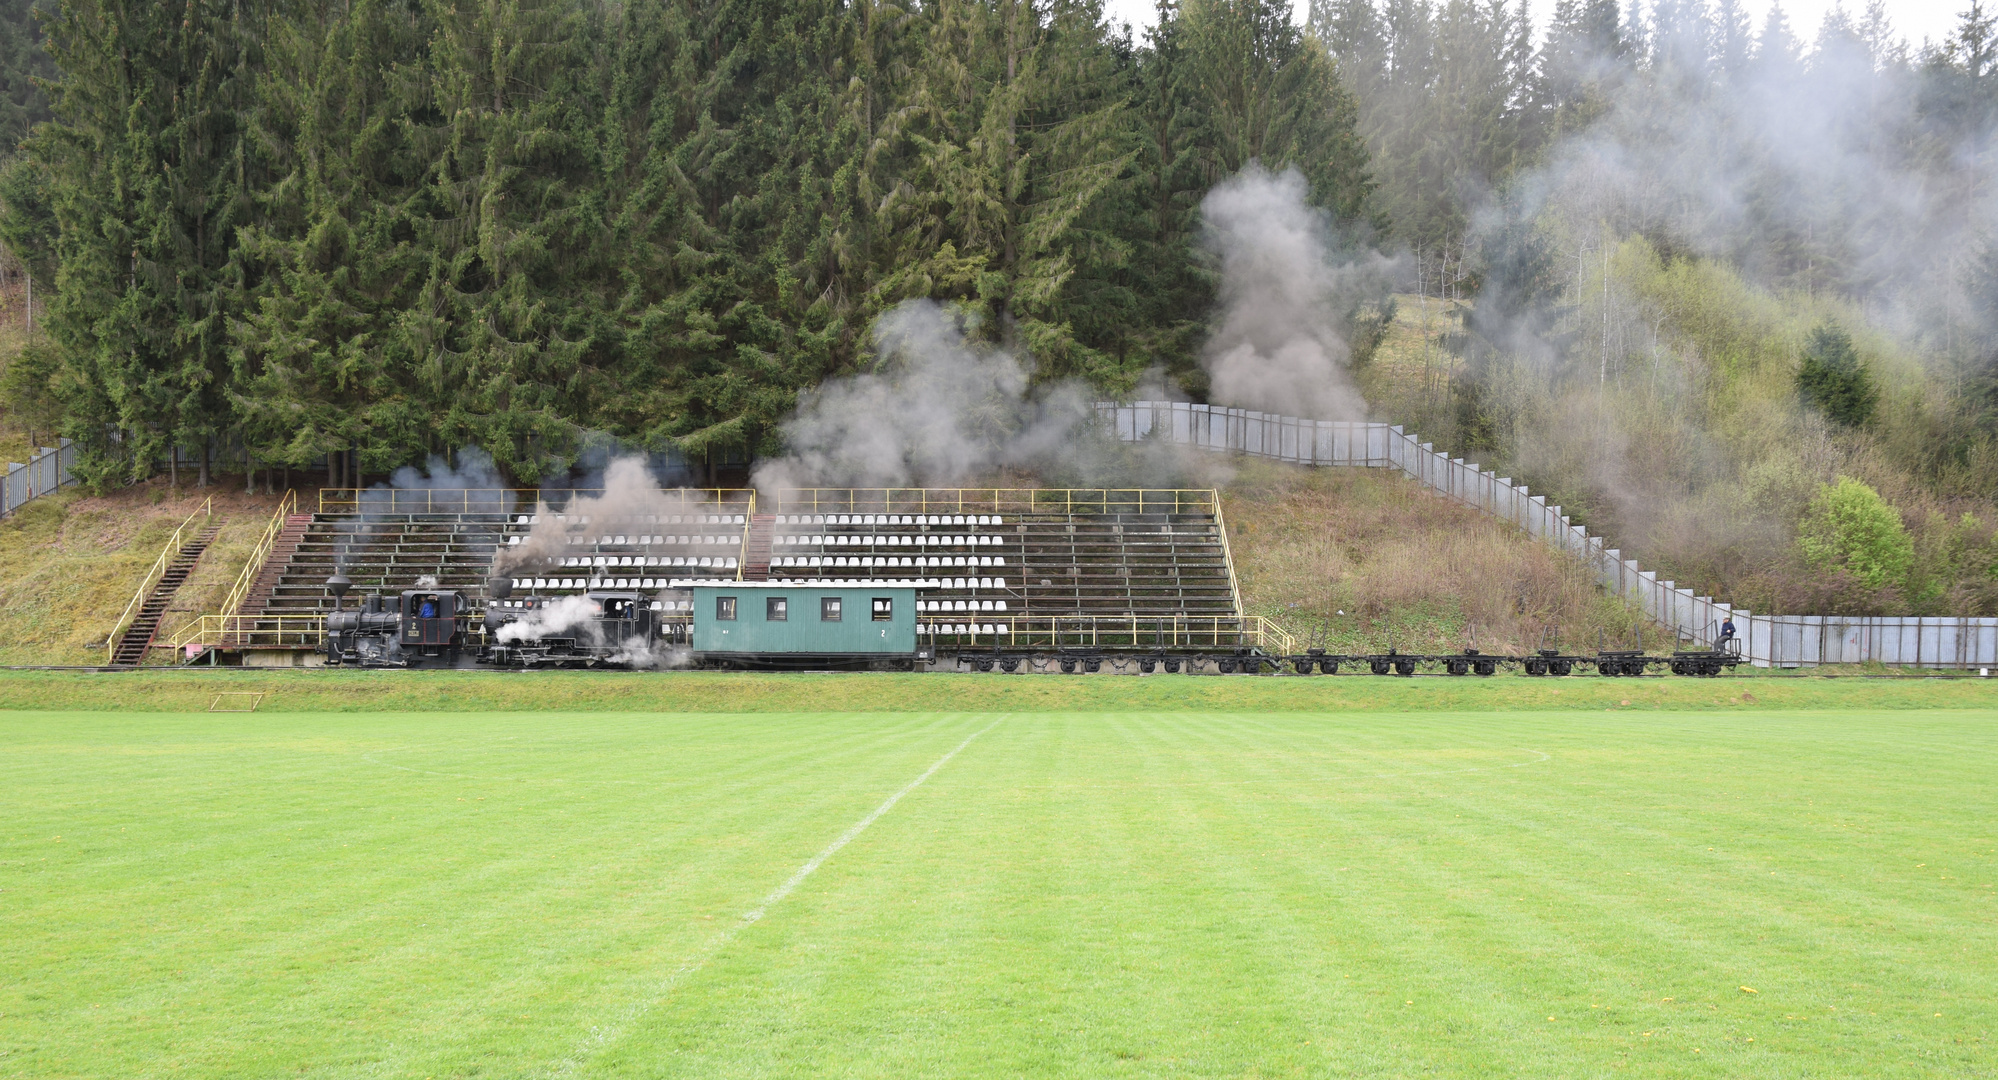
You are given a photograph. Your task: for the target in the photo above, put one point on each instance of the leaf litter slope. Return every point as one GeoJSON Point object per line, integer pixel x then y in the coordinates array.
{"type": "Point", "coordinates": [1072, 894]}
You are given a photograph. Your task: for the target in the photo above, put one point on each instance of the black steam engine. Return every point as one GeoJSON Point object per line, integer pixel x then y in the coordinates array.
{"type": "Point", "coordinates": [416, 628]}
{"type": "Point", "coordinates": [595, 629]}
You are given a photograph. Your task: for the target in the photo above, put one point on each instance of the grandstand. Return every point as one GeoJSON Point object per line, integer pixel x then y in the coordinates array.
{"type": "Point", "coordinates": [994, 561]}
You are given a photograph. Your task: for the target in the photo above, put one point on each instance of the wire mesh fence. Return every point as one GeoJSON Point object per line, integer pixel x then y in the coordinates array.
{"type": "Point", "coordinates": [1767, 640]}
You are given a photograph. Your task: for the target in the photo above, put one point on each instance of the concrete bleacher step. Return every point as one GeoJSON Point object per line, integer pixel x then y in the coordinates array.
{"type": "Point", "coordinates": [1153, 564]}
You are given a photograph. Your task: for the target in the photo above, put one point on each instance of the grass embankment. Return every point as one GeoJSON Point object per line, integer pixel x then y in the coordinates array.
{"type": "Point", "coordinates": [69, 564]}
{"type": "Point", "coordinates": [723, 692]}
{"type": "Point", "coordinates": [1668, 895]}
{"type": "Point", "coordinates": [1362, 560]}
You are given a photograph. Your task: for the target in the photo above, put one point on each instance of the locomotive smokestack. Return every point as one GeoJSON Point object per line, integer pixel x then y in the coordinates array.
{"type": "Point", "coordinates": [338, 586]}
{"type": "Point", "coordinates": [499, 588]}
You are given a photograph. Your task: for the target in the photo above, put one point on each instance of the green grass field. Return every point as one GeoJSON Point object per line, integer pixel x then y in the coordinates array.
{"type": "Point", "coordinates": [1088, 893]}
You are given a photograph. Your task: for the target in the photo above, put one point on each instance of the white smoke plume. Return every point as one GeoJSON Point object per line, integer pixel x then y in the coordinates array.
{"type": "Point", "coordinates": [630, 497]}
{"type": "Point", "coordinates": [562, 616]}
{"type": "Point", "coordinates": [1278, 344]}
{"type": "Point", "coordinates": [937, 410]}
{"type": "Point", "coordinates": [1827, 184]}
{"type": "Point", "coordinates": [576, 617]}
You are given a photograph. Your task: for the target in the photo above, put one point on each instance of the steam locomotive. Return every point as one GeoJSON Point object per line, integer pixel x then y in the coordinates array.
{"type": "Point", "coordinates": [421, 627]}
{"type": "Point", "coordinates": [595, 629]}
{"type": "Point", "coordinates": [431, 627]}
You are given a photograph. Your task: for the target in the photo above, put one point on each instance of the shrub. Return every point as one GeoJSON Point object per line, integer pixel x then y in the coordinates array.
{"type": "Point", "coordinates": [1833, 380]}
{"type": "Point", "coordinates": [1849, 529]}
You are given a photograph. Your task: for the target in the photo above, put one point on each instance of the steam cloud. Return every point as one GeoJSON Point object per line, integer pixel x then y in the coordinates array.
{"type": "Point", "coordinates": [1278, 345]}
{"type": "Point", "coordinates": [937, 410]}
{"type": "Point", "coordinates": [576, 616]}
{"type": "Point", "coordinates": [629, 492]}
{"type": "Point", "coordinates": [1806, 176]}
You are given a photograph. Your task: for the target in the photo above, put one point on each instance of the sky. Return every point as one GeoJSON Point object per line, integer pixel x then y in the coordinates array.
{"type": "Point", "coordinates": [1913, 19]}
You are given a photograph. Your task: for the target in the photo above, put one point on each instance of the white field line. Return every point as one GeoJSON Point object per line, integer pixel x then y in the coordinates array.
{"type": "Point", "coordinates": [605, 1035]}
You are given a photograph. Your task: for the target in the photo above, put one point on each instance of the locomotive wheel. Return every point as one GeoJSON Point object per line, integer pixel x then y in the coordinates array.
{"type": "Point", "coordinates": [1172, 665]}
{"type": "Point", "coordinates": [1010, 664]}
{"type": "Point", "coordinates": [1226, 664]}
{"type": "Point", "coordinates": [1561, 667]}
{"type": "Point", "coordinates": [1485, 667]}
{"type": "Point", "coordinates": [1302, 667]}
{"type": "Point", "coordinates": [1092, 666]}
{"type": "Point", "coordinates": [1329, 667]}
{"type": "Point", "coordinates": [1633, 667]}
{"type": "Point", "coordinates": [1068, 667]}
{"type": "Point", "coordinates": [1378, 667]}
{"type": "Point", "coordinates": [1457, 667]}
{"type": "Point", "coordinates": [1404, 667]}
{"type": "Point", "coordinates": [1536, 667]}
{"type": "Point", "coordinates": [985, 665]}
{"type": "Point", "coordinates": [1147, 666]}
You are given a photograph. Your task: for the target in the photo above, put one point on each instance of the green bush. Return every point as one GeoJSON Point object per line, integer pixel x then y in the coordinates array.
{"type": "Point", "coordinates": [1833, 380]}
{"type": "Point", "coordinates": [1850, 529]}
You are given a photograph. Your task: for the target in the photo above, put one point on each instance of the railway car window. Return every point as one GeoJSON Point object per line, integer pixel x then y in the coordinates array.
{"type": "Point", "coordinates": [776, 609]}
{"type": "Point", "coordinates": [884, 609]}
{"type": "Point", "coordinates": [725, 609]}
{"type": "Point", "coordinates": [828, 609]}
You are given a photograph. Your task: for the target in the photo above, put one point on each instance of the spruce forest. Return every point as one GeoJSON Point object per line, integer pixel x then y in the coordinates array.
{"type": "Point", "coordinates": [1727, 290]}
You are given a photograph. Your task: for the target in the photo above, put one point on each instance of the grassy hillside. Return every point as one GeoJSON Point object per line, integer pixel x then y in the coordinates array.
{"type": "Point", "coordinates": [1360, 560]}
{"type": "Point", "coordinates": [69, 563]}
{"type": "Point", "coordinates": [1674, 424]}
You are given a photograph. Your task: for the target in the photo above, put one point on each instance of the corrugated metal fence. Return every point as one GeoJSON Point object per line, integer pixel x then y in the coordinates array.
{"type": "Point", "coordinates": [47, 469]}
{"type": "Point", "coordinates": [1767, 640]}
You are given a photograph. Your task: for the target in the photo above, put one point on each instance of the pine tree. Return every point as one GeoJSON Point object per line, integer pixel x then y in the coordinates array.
{"type": "Point", "coordinates": [504, 338]}
{"type": "Point", "coordinates": [1009, 141]}
{"type": "Point", "coordinates": [24, 61]}
{"type": "Point", "coordinates": [143, 177]}
{"type": "Point", "coordinates": [331, 262]}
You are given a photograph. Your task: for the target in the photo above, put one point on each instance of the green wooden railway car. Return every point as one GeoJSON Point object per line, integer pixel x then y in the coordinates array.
{"type": "Point", "coordinates": [792, 624]}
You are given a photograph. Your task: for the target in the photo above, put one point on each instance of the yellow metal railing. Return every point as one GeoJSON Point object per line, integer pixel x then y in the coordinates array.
{"type": "Point", "coordinates": [253, 631]}
{"type": "Point", "coordinates": [493, 500]}
{"type": "Point", "coordinates": [1227, 556]}
{"type": "Point", "coordinates": [992, 501]}
{"type": "Point", "coordinates": [748, 523]}
{"type": "Point", "coordinates": [153, 575]}
{"type": "Point", "coordinates": [1105, 631]}
{"type": "Point", "coordinates": [287, 506]}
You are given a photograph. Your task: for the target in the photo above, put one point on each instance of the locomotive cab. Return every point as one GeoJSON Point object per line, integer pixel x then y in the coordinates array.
{"type": "Point", "coordinates": [430, 618]}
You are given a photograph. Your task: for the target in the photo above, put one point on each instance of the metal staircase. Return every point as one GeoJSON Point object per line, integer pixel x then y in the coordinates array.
{"type": "Point", "coordinates": [138, 637]}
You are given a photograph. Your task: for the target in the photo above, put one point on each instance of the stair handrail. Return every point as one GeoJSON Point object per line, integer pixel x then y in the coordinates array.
{"type": "Point", "coordinates": [252, 568]}
{"type": "Point", "coordinates": [205, 511]}
{"type": "Point", "coordinates": [1227, 555]}
{"type": "Point", "coordinates": [748, 526]}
